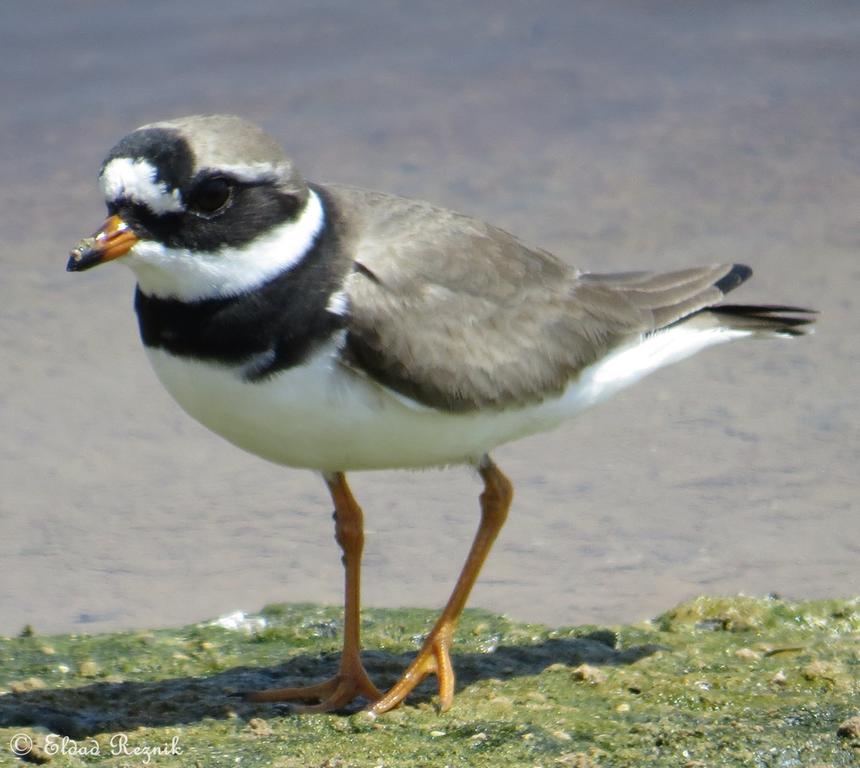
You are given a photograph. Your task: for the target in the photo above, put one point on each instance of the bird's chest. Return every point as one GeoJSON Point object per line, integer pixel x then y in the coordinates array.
{"type": "Point", "coordinates": [260, 331]}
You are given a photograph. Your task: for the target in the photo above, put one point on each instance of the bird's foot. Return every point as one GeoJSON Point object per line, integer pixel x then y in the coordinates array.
{"type": "Point", "coordinates": [349, 683]}
{"type": "Point", "coordinates": [433, 658]}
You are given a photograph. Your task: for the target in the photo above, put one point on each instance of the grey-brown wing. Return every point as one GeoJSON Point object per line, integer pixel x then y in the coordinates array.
{"type": "Point", "coordinates": [459, 315]}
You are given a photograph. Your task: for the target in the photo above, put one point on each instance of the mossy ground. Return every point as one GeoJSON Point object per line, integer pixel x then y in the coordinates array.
{"type": "Point", "coordinates": [714, 682]}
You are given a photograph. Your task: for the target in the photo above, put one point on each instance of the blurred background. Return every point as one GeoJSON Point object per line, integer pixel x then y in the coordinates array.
{"type": "Point", "coordinates": [620, 135]}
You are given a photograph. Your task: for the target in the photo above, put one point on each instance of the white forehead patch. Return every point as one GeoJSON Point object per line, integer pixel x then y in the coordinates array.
{"type": "Point", "coordinates": [135, 179]}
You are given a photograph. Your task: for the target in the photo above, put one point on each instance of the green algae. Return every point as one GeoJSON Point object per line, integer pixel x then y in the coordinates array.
{"type": "Point", "coordinates": [713, 682]}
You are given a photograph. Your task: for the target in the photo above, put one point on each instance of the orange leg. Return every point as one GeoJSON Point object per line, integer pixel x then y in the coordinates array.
{"type": "Point", "coordinates": [351, 679]}
{"type": "Point", "coordinates": [434, 656]}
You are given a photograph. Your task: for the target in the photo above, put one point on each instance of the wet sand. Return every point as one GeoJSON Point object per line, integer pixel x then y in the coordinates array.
{"type": "Point", "coordinates": [619, 136]}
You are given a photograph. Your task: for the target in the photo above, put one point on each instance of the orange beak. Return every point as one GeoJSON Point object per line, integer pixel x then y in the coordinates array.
{"type": "Point", "coordinates": [113, 240]}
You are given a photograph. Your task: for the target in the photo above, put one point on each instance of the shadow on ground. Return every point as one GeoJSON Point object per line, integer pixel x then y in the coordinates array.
{"type": "Point", "coordinates": [108, 707]}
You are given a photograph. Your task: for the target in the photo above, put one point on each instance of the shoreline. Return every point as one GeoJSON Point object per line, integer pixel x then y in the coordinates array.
{"type": "Point", "coordinates": [736, 680]}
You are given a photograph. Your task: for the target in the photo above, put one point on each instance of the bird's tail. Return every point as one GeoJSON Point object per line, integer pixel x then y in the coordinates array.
{"type": "Point", "coordinates": [758, 320]}
{"type": "Point", "coordinates": [762, 320]}
{"type": "Point", "coordinates": [692, 297]}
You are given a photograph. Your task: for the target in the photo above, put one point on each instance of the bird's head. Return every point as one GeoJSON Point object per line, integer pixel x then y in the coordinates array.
{"type": "Point", "coordinates": [200, 207]}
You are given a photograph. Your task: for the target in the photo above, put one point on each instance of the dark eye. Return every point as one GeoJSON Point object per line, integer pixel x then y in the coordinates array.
{"type": "Point", "coordinates": [210, 196]}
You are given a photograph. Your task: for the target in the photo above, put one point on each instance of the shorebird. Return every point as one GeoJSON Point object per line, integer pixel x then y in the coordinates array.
{"type": "Point", "coordinates": [339, 329]}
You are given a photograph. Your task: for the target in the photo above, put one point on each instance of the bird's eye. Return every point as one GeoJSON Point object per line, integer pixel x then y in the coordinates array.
{"type": "Point", "coordinates": [210, 196]}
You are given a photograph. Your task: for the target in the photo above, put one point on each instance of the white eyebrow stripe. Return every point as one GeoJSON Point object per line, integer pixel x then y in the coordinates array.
{"type": "Point", "coordinates": [123, 177]}
{"type": "Point", "coordinates": [250, 172]}
{"type": "Point", "coordinates": [338, 304]}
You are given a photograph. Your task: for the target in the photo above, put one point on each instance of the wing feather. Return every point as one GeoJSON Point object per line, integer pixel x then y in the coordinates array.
{"type": "Point", "coordinates": [459, 315]}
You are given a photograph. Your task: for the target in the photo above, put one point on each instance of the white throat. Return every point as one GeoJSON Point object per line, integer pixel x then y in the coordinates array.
{"type": "Point", "coordinates": [179, 273]}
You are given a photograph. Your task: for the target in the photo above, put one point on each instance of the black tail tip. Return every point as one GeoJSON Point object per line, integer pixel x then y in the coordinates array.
{"type": "Point", "coordinates": [767, 319]}
{"type": "Point", "coordinates": [739, 273]}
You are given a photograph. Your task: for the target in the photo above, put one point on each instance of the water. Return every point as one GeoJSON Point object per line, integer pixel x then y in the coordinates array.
{"type": "Point", "coordinates": [620, 136]}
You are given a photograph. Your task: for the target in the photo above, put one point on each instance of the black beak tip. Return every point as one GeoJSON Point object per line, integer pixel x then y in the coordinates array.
{"type": "Point", "coordinates": [83, 256]}
{"type": "Point", "coordinates": [77, 262]}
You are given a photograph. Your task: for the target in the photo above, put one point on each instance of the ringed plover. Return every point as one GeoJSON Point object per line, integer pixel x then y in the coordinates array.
{"type": "Point", "coordinates": [336, 329]}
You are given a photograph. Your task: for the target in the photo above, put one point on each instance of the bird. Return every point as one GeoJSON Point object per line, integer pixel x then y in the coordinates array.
{"type": "Point", "coordinates": [338, 329]}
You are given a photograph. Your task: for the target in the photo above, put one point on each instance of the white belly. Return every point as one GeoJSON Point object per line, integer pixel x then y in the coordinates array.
{"type": "Point", "coordinates": [323, 416]}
